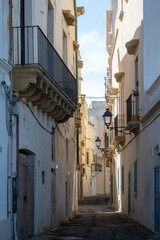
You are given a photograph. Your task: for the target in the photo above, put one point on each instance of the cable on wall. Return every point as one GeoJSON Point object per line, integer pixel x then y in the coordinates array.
{"type": "Point", "coordinates": [141, 131]}
{"type": "Point", "coordinates": [27, 105]}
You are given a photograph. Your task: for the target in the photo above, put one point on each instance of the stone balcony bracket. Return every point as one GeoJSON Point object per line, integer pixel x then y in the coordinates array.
{"type": "Point", "coordinates": [133, 126]}
{"type": "Point", "coordinates": [119, 140]}
{"type": "Point", "coordinates": [80, 11]}
{"type": "Point", "coordinates": [118, 76]}
{"type": "Point", "coordinates": [39, 88]}
{"type": "Point", "coordinates": [80, 78]}
{"type": "Point", "coordinates": [121, 15]}
{"type": "Point", "coordinates": [75, 45]}
{"type": "Point", "coordinates": [113, 91]}
{"type": "Point", "coordinates": [132, 46]}
{"type": "Point", "coordinates": [80, 64]}
{"type": "Point", "coordinates": [69, 17]}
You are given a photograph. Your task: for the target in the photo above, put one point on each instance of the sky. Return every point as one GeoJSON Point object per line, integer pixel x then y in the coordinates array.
{"type": "Point", "coordinates": [92, 41]}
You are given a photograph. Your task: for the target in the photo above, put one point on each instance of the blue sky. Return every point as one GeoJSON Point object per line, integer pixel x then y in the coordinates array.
{"type": "Point", "coordinates": [92, 40]}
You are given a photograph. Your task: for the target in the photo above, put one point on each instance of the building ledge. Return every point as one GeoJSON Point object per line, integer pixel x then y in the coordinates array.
{"type": "Point", "coordinates": [80, 11]}
{"type": "Point", "coordinates": [118, 76]}
{"type": "Point", "coordinates": [70, 18]}
{"type": "Point", "coordinates": [121, 15]}
{"type": "Point", "coordinates": [132, 46]}
{"type": "Point", "coordinates": [152, 112]}
{"type": "Point", "coordinates": [32, 83]}
{"type": "Point", "coordinates": [75, 45]}
{"type": "Point", "coordinates": [80, 64]}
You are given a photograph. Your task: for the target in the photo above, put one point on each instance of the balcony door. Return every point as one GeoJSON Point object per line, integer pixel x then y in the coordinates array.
{"type": "Point", "coordinates": [50, 24]}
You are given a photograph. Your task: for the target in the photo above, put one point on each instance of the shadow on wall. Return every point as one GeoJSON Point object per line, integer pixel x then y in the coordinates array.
{"type": "Point", "coordinates": [131, 81]}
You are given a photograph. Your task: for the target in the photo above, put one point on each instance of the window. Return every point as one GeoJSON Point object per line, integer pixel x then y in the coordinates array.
{"type": "Point", "coordinates": [43, 177]}
{"type": "Point", "coordinates": [136, 74]}
{"type": "Point", "coordinates": [87, 157]}
{"type": "Point", "coordinates": [118, 179]}
{"type": "Point", "coordinates": [65, 48]}
{"type": "Point", "coordinates": [94, 158]}
{"type": "Point", "coordinates": [53, 144]}
{"type": "Point", "coordinates": [135, 178]}
{"type": "Point", "coordinates": [50, 27]}
{"type": "Point", "coordinates": [106, 140]}
{"type": "Point", "coordinates": [66, 148]}
{"type": "Point", "coordinates": [123, 179]}
{"type": "Point", "coordinates": [28, 13]}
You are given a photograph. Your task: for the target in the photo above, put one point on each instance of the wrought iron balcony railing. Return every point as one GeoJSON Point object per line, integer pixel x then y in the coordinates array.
{"type": "Point", "coordinates": [133, 107]}
{"type": "Point", "coordinates": [31, 46]}
{"type": "Point", "coordinates": [96, 168]}
{"type": "Point", "coordinates": [118, 123]}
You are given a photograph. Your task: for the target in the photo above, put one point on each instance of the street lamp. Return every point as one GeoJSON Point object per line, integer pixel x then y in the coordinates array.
{"type": "Point", "coordinates": [107, 116]}
{"type": "Point", "coordinates": [98, 142]}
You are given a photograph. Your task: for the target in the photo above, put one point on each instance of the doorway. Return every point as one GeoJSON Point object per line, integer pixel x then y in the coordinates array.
{"type": "Point", "coordinates": [25, 201]}
{"type": "Point", "coordinates": [129, 193]}
{"type": "Point", "coordinates": [53, 197]}
{"type": "Point", "coordinates": [157, 199]}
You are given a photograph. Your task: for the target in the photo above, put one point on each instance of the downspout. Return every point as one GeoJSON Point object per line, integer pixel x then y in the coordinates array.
{"type": "Point", "coordinates": [11, 175]}
{"type": "Point", "coordinates": [75, 10]}
{"type": "Point", "coordinates": [10, 136]}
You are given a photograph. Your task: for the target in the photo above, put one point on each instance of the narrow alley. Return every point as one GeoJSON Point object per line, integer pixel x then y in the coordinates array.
{"type": "Point", "coordinates": [97, 220]}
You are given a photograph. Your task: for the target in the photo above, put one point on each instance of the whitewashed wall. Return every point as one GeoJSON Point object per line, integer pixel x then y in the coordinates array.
{"type": "Point", "coordinates": [141, 21]}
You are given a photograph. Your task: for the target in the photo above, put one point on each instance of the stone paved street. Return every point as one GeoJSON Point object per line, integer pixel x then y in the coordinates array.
{"type": "Point", "coordinates": [97, 220]}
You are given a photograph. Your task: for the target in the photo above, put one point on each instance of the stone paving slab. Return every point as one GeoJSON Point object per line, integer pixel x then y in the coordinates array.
{"type": "Point", "coordinates": [96, 220]}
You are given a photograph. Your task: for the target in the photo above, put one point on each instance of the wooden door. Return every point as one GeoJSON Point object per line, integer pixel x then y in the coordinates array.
{"type": "Point", "coordinates": [25, 203]}
{"type": "Point", "coordinates": [157, 199]}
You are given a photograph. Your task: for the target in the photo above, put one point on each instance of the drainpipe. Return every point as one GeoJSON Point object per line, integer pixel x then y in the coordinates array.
{"type": "Point", "coordinates": [11, 215]}
{"type": "Point", "coordinates": [75, 10]}
{"type": "Point", "coordinates": [10, 135]}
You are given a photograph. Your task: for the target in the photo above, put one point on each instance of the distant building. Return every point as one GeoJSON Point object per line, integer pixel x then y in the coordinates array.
{"type": "Point", "coordinates": [95, 116]}
{"type": "Point", "coordinates": [133, 97]}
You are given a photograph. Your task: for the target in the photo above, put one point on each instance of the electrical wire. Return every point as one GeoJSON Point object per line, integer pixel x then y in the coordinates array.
{"type": "Point", "coordinates": [27, 105]}
{"type": "Point", "coordinates": [89, 139]}
{"type": "Point", "coordinates": [140, 132]}
{"type": "Point", "coordinates": [91, 97]}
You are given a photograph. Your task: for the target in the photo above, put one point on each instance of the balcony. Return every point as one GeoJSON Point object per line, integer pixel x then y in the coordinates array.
{"type": "Point", "coordinates": [119, 123]}
{"type": "Point", "coordinates": [41, 76]}
{"type": "Point", "coordinates": [133, 113]}
{"type": "Point", "coordinates": [78, 116]}
{"type": "Point", "coordinates": [96, 168]}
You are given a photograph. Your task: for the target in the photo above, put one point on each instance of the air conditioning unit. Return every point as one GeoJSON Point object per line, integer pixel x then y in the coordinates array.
{"type": "Point", "coordinates": [156, 150]}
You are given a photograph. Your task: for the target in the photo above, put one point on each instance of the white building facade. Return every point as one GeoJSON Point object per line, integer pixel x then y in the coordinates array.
{"type": "Point", "coordinates": [133, 96]}
{"type": "Point", "coordinates": [43, 45]}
